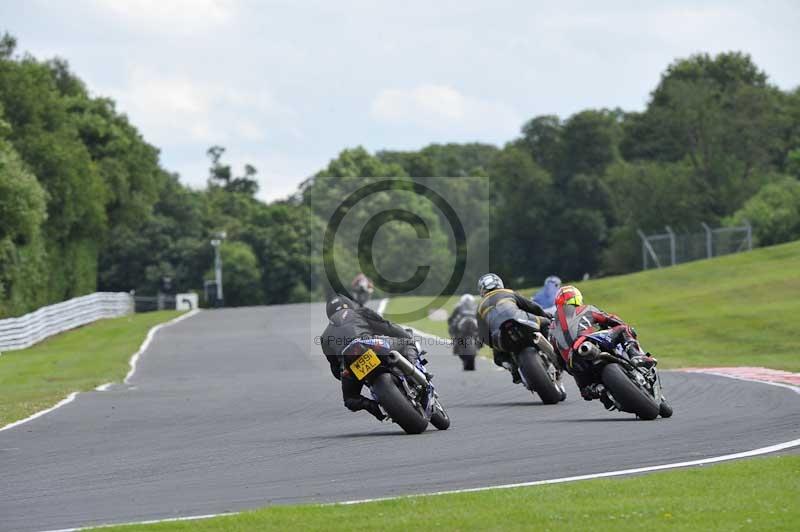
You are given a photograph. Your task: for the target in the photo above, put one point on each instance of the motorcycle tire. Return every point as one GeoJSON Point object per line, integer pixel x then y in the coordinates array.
{"type": "Point", "coordinates": [440, 419]}
{"type": "Point", "coordinates": [397, 405]}
{"type": "Point", "coordinates": [532, 368]}
{"type": "Point", "coordinates": [628, 394]}
{"type": "Point", "coordinates": [468, 362]}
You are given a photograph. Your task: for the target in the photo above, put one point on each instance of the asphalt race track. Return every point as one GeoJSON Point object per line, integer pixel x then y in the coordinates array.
{"type": "Point", "coordinates": [237, 409]}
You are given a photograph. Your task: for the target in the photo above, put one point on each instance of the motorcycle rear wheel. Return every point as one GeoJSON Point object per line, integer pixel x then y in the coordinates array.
{"type": "Point", "coordinates": [468, 362]}
{"type": "Point", "coordinates": [628, 394]}
{"type": "Point", "coordinates": [532, 368]}
{"type": "Point", "coordinates": [397, 405]}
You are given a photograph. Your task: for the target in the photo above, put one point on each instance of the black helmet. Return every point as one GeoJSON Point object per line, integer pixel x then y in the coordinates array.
{"type": "Point", "coordinates": [337, 303]}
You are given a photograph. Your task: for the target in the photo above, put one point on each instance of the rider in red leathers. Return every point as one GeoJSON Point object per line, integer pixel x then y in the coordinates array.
{"type": "Point", "coordinates": [573, 319]}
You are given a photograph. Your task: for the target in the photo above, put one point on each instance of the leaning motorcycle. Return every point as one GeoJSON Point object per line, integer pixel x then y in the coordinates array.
{"type": "Point", "coordinates": [465, 341]}
{"type": "Point", "coordinates": [538, 364]}
{"type": "Point", "coordinates": [628, 387]}
{"type": "Point", "coordinates": [403, 389]}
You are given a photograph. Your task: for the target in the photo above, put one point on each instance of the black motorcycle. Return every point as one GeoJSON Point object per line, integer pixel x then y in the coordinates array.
{"type": "Point", "coordinates": [465, 340]}
{"type": "Point", "coordinates": [403, 390]}
{"type": "Point", "coordinates": [538, 364]}
{"type": "Point", "coordinates": [626, 387]}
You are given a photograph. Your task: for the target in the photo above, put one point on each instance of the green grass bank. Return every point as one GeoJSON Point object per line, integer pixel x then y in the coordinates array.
{"type": "Point", "coordinates": [78, 360]}
{"type": "Point", "coordinates": [736, 310]}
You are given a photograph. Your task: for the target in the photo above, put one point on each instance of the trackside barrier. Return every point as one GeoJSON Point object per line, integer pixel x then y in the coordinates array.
{"type": "Point", "coordinates": [22, 332]}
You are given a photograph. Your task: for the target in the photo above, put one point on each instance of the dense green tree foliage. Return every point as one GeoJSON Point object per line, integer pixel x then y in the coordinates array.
{"type": "Point", "coordinates": [774, 212]}
{"type": "Point", "coordinates": [85, 203]}
{"type": "Point", "coordinates": [23, 274]}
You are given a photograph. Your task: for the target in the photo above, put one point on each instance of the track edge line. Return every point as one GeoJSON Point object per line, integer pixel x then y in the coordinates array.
{"type": "Point", "coordinates": [103, 387]}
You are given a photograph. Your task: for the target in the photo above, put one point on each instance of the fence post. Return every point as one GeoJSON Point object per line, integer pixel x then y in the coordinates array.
{"type": "Point", "coordinates": [749, 235]}
{"type": "Point", "coordinates": [647, 247]}
{"type": "Point", "coordinates": [671, 244]}
{"type": "Point", "coordinates": [709, 240]}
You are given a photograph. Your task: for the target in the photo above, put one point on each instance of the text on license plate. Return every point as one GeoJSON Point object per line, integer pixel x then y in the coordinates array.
{"type": "Point", "coordinates": [365, 364]}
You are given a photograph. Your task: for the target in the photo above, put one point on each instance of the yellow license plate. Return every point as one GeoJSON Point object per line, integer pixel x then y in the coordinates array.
{"type": "Point", "coordinates": [364, 364]}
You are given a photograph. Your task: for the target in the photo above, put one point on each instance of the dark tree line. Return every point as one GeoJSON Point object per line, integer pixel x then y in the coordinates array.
{"type": "Point", "coordinates": [86, 205]}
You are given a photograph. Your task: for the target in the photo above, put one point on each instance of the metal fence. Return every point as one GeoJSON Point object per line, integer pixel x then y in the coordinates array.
{"type": "Point", "coordinates": [22, 332]}
{"type": "Point", "coordinates": [671, 248]}
{"type": "Point", "coordinates": [151, 303]}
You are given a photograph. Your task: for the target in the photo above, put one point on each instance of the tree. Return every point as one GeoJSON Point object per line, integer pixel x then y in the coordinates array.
{"type": "Point", "coordinates": [45, 136]}
{"type": "Point", "coordinates": [220, 174]}
{"type": "Point", "coordinates": [241, 276]}
{"type": "Point", "coordinates": [774, 212]}
{"type": "Point", "coordinates": [589, 142]}
{"type": "Point", "coordinates": [23, 273]}
{"type": "Point", "coordinates": [520, 206]}
{"type": "Point", "coordinates": [542, 137]}
{"type": "Point", "coordinates": [721, 115]}
{"type": "Point", "coordinates": [648, 196]}
{"type": "Point", "coordinates": [7, 46]}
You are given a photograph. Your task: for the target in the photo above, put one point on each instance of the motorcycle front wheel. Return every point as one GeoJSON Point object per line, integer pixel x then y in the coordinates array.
{"type": "Point", "coordinates": [439, 418]}
{"type": "Point", "coordinates": [397, 405]}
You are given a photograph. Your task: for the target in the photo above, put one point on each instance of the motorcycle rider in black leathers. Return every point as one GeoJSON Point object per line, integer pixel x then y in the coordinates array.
{"type": "Point", "coordinates": [499, 305]}
{"type": "Point", "coordinates": [347, 322]}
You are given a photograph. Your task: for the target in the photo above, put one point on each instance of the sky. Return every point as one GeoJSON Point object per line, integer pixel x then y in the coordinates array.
{"type": "Point", "coordinates": [286, 85]}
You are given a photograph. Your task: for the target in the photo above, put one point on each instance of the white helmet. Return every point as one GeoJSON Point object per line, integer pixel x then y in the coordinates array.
{"type": "Point", "coordinates": [489, 282]}
{"type": "Point", "coordinates": [467, 301]}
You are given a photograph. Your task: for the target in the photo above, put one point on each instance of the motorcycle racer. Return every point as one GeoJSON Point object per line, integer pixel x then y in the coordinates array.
{"type": "Point", "coordinates": [573, 319]}
{"type": "Point", "coordinates": [347, 322]}
{"type": "Point", "coordinates": [499, 304]}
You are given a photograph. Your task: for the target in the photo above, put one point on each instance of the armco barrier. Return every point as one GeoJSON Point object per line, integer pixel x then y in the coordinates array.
{"type": "Point", "coordinates": [22, 332]}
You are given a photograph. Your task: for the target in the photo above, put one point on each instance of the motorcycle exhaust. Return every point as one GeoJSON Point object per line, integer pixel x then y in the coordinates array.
{"type": "Point", "coordinates": [588, 349]}
{"type": "Point", "coordinates": [407, 368]}
{"type": "Point", "coordinates": [541, 342]}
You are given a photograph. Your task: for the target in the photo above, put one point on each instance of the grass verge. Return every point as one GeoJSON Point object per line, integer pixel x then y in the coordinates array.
{"type": "Point", "coordinates": [758, 494]}
{"type": "Point", "coordinates": [38, 377]}
{"type": "Point", "coordinates": [735, 310]}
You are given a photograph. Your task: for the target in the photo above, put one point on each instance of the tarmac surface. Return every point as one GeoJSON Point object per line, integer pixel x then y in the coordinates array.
{"type": "Point", "coordinates": [236, 409]}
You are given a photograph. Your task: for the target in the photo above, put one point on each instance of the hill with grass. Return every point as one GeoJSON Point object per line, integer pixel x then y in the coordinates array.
{"type": "Point", "coordinates": [736, 310]}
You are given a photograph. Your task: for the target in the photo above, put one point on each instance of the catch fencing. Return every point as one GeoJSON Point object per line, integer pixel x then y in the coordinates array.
{"type": "Point", "coordinates": [671, 248]}
{"type": "Point", "coordinates": [22, 332]}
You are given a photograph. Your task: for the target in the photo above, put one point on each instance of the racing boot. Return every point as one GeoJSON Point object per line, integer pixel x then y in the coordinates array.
{"type": "Point", "coordinates": [354, 404]}
{"type": "Point", "coordinates": [374, 408]}
{"type": "Point", "coordinates": [597, 391]}
{"type": "Point", "coordinates": [514, 372]}
{"type": "Point", "coordinates": [592, 391]}
{"type": "Point", "coordinates": [639, 358]}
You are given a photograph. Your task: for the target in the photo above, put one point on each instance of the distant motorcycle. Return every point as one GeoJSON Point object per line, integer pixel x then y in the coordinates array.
{"type": "Point", "coordinates": [402, 389]}
{"type": "Point", "coordinates": [465, 340]}
{"type": "Point", "coordinates": [538, 364]}
{"type": "Point", "coordinates": [628, 388]}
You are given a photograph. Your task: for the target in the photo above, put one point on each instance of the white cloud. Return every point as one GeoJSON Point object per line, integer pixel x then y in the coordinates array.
{"type": "Point", "coordinates": [441, 107]}
{"type": "Point", "coordinates": [172, 109]}
{"type": "Point", "coordinates": [181, 16]}
{"type": "Point", "coordinates": [278, 172]}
